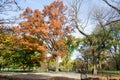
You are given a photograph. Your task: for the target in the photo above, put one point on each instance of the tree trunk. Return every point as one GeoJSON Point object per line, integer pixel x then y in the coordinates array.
{"type": "Point", "coordinates": [94, 66]}
{"type": "Point", "coordinates": [100, 65]}
{"type": "Point", "coordinates": [117, 66]}
{"type": "Point", "coordinates": [57, 64]}
{"type": "Point", "coordinates": [23, 68]}
{"type": "Point", "coordinates": [29, 68]}
{"type": "Point", "coordinates": [0, 67]}
{"type": "Point", "coordinates": [94, 70]}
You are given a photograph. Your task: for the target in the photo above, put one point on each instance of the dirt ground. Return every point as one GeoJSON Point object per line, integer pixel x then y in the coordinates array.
{"type": "Point", "coordinates": [43, 75]}
{"type": "Point", "coordinates": [57, 75]}
{"type": "Point", "coordinates": [108, 77]}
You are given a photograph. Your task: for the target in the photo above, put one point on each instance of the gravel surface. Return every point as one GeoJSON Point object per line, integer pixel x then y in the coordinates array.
{"type": "Point", "coordinates": [49, 75]}
{"type": "Point", "coordinates": [43, 75]}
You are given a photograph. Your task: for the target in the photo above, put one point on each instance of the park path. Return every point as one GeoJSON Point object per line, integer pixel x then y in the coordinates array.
{"type": "Point", "coordinates": [43, 75]}
{"type": "Point", "coordinates": [48, 75]}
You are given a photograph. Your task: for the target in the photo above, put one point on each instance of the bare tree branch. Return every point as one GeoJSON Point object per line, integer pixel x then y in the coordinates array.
{"type": "Point", "coordinates": [108, 23]}
{"type": "Point", "coordinates": [5, 7]}
{"type": "Point", "coordinates": [115, 8]}
{"type": "Point", "coordinates": [78, 24]}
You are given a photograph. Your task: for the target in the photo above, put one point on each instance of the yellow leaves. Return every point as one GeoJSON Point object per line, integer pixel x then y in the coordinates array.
{"type": "Point", "coordinates": [6, 39]}
{"type": "Point", "coordinates": [6, 44]}
{"type": "Point", "coordinates": [32, 43]}
{"type": "Point", "coordinates": [2, 45]}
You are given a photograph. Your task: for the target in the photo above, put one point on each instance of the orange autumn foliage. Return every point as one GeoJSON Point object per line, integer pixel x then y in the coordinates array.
{"type": "Point", "coordinates": [44, 30]}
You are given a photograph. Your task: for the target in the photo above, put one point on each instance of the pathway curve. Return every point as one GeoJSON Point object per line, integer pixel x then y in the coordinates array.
{"type": "Point", "coordinates": [43, 75]}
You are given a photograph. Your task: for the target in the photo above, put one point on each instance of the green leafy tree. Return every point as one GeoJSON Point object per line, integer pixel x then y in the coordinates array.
{"type": "Point", "coordinates": [115, 44]}
{"type": "Point", "coordinates": [6, 47]}
{"type": "Point", "coordinates": [72, 44]}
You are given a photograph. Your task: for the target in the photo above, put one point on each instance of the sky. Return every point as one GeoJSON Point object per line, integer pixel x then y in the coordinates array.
{"type": "Point", "coordinates": [39, 4]}
{"type": "Point", "coordinates": [85, 9]}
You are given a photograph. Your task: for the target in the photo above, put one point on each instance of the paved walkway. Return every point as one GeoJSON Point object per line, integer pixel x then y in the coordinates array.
{"type": "Point", "coordinates": [43, 75]}
{"type": "Point", "coordinates": [47, 75]}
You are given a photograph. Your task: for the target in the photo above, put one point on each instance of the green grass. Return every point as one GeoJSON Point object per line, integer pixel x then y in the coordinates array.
{"type": "Point", "coordinates": [109, 72]}
{"type": "Point", "coordinates": [15, 70]}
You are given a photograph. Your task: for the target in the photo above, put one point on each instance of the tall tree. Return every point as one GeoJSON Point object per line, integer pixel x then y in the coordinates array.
{"type": "Point", "coordinates": [75, 7]}
{"type": "Point", "coordinates": [72, 44]}
{"type": "Point", "coordinates": [115, 44]}
{"type": "Point", "coordinates": [94, 43]}
{"type": "Point", "coordinates": [44, 30]}
{"type": "Point", "coordinates": [7, 45]}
